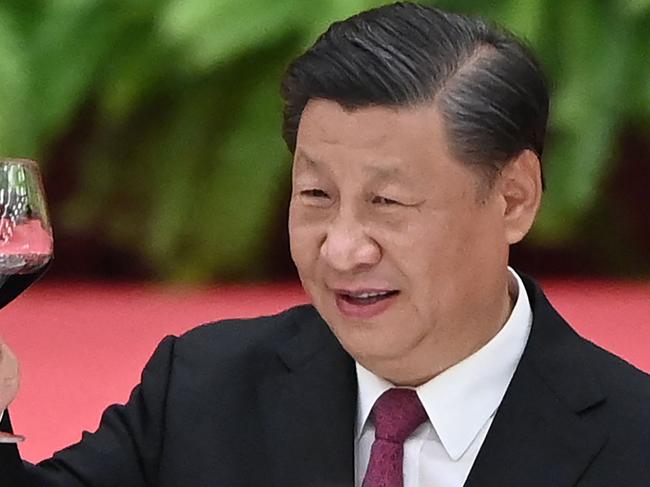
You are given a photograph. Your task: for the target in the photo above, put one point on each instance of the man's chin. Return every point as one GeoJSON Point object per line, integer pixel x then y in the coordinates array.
{"type": "Point", "coordinates": [365, 343]}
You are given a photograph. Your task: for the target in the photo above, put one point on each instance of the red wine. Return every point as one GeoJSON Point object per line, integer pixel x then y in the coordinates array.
{"type": "Point", "coordinates": [18, 272]}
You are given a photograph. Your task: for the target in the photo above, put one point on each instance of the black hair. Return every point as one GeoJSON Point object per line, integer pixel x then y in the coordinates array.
{"type": "Point", "coordinates": [487, 84]}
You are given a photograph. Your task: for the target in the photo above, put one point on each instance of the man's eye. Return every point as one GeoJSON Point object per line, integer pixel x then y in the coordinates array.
{"type": "Point", "coordinates": [314, 193]}
{"type": "Point", "coordinates": [381, 200]}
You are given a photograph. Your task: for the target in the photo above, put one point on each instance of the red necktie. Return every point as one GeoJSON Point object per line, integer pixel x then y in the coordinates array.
{"type": "Point", "coordinates": [396, 414]}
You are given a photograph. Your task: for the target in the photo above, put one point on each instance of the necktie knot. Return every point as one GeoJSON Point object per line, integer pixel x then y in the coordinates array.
{"type": "Point", "coordinates": [396, 414]}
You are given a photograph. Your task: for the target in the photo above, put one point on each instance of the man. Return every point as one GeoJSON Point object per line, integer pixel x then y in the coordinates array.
{"type": "Point", "coordinates": [425, 360]}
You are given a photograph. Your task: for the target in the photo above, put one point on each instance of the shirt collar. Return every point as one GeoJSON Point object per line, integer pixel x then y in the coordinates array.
{"type": "Point", "coordinates": [461, 400]}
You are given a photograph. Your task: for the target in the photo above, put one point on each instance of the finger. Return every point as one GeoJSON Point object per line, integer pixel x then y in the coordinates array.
{"type": "Point", "coordinates": [9, 376]}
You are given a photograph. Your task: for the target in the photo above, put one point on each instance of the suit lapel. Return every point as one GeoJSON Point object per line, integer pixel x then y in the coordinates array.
{"type": "Point", "coordinates": [309, 410]}
{"type": "Point", "coordinates": [544, 432]}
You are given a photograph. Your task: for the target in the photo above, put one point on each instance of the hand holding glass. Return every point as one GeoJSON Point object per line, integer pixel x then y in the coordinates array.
{"type": "Point", "coordinates": [26, 244]}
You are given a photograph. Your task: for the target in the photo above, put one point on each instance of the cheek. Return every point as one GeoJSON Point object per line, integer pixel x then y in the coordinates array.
{"type": "Point", "coordinates": [484, 238]}
{"type": "Point", "coordinates": [423, 248]}
{"type": "Point", "coordinates": [434, 254]}
{"type": "Point", "coordinates": [304, 240]}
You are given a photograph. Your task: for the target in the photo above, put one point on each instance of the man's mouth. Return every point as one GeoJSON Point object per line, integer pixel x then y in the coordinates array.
{"type": "Point", "coordinates": [364, 303]}
{"type": "Point", "coordinates": [366, 297]}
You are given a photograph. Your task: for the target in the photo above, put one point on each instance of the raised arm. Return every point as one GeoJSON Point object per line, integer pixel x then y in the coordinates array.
{"type": "Point", "coordinates": [123, 452]}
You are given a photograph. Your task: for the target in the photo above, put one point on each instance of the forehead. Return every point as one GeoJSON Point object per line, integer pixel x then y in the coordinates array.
{"type": "Point", "coordinates": [386, 141]}
{"type": "Point", "coordinates": [327, 122]}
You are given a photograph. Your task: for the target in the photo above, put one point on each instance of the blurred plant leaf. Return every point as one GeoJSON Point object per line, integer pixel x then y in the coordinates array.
{"type": "Point", "coordinates": [634, 8]}
{"type": "Point", "coordinates": [587, 116]}
{"type": "Point", "coordinates": [15, 129]}
{"type": "Point", "coordinates": [526, 19]}
{"type": "Point", "coordinates": [181, 163]}
{"type": "Point", "coordinates": [70, 43]}
{"type": "Point", "coordinates": [250, 179]}
{"type": "Point", "coordinates": [216, 32]}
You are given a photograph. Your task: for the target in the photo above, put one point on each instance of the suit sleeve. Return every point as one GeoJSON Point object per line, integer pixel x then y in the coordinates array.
{"type": "Point", "coordinates": [125, 450]}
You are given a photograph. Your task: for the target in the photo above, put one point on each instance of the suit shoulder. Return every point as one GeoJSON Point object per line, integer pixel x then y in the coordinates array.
{"type": "Point", "coordinates": [626, 387]}
{"type": "Point", "coordinates": [246, 333]}
{"type": "Point", "coordinates": [616, 372]}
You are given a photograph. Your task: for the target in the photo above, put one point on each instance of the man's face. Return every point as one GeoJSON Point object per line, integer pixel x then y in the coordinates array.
{"type": "Point", "coordinates": [400, 246]}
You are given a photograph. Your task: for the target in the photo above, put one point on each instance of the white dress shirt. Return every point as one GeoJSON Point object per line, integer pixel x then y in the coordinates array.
{"type": "Point", "coordinates": [460, 403]}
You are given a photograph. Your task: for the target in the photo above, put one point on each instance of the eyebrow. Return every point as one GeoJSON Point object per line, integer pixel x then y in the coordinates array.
{"type": "Point", "coordinates": [300, 154]}
{"type": "Point", "coordinates": [386, 173]}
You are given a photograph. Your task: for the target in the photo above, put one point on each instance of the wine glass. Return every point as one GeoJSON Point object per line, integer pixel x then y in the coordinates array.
{"type": "Point", "coordinates": [26, 243]}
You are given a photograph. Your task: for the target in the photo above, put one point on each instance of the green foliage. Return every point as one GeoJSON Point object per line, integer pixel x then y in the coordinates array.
{"type": "Point", "coordinates": [182, 163]}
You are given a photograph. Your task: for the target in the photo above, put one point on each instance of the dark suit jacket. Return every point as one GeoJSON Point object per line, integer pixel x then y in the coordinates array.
{"type": "Point", "coordinates": [271, 402]}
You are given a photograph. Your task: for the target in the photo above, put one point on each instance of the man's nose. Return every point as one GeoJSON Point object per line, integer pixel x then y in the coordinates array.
{"type": "Point", "coordinates": [347, 245]}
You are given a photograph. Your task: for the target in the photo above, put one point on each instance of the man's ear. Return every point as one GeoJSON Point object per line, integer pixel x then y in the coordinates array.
{"type": "Point", "coordinates": [520, 186]}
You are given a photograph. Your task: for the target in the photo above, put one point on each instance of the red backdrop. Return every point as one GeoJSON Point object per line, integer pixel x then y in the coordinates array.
{"type": "Point", "coordinates": [82, 346]}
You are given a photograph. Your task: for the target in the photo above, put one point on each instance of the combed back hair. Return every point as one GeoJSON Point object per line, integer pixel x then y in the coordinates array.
{"type": "Point", "coordinates": [488, 87]}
